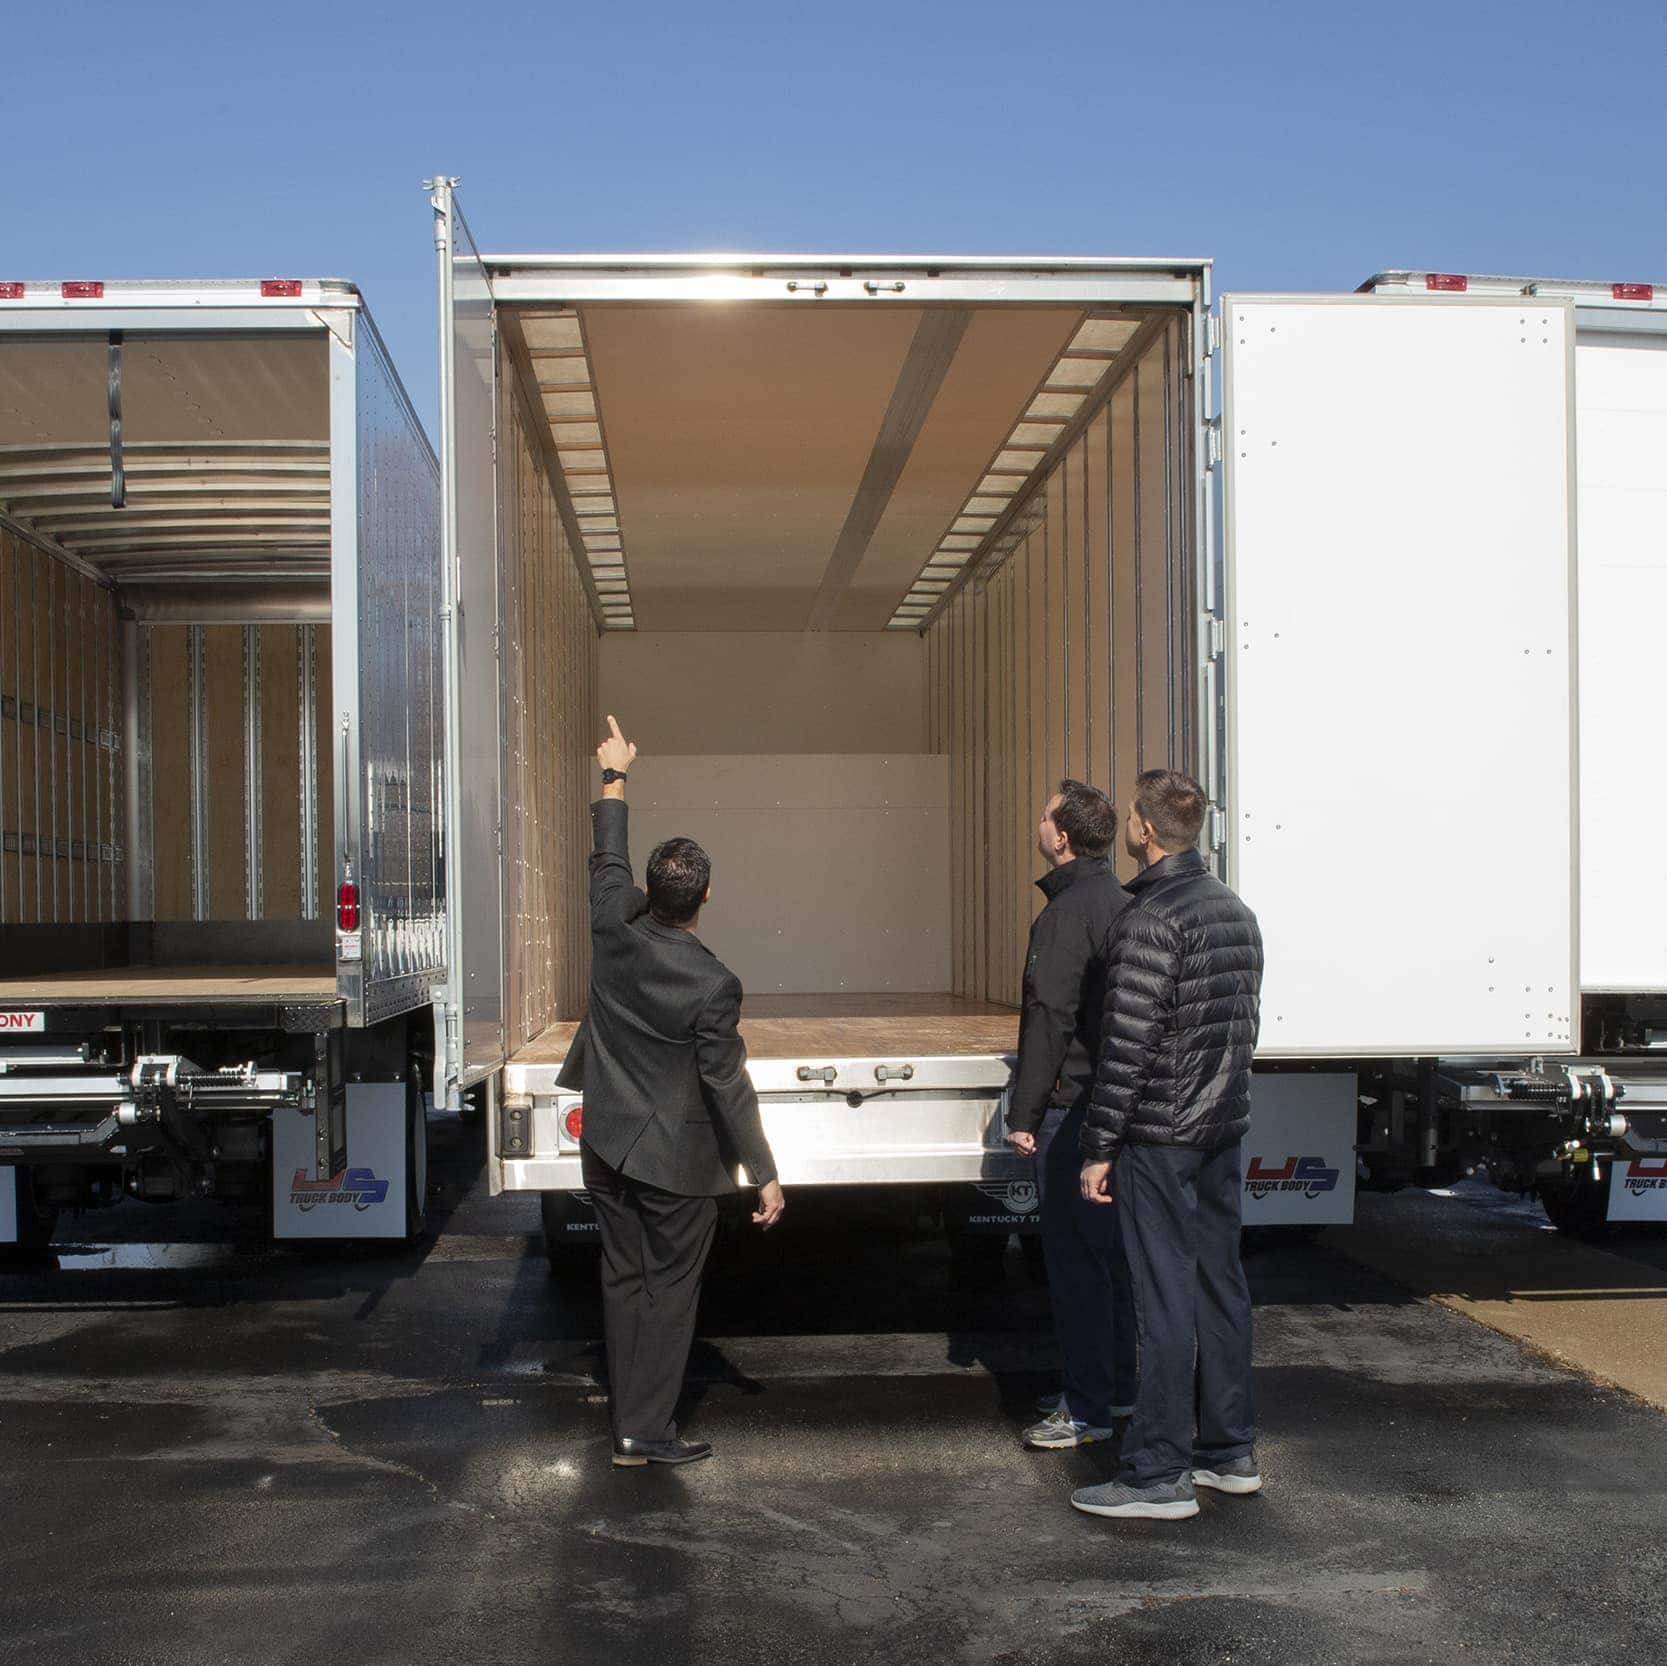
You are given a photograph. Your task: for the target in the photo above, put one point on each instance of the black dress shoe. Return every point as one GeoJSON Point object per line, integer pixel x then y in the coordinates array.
{"type": "Point", "coordinates": [632, 1454]}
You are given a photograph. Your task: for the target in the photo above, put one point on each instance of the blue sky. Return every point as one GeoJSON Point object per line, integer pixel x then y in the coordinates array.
{"type": "Point", "coordinates": [1303, 146]}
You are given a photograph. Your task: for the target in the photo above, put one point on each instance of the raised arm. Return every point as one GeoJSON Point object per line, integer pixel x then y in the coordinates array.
{"type": "Point", "coordinates": [612, 890]}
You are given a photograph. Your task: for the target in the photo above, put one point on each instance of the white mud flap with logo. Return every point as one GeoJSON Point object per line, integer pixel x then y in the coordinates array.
{"type": "Point", "coordinates": [1299, 1157]}
{"type": "Point", "coordinates": [1638, 1189]}
{"type": "Point", "coordinates": [365, 1198]}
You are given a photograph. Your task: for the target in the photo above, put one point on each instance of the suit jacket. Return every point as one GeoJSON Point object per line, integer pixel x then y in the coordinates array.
{"type": "Point", "coordinates": [659, 1057]}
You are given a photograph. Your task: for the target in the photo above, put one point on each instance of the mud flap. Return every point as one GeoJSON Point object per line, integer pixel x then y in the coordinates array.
{"type": "Point", "coordinates": [9, 1177]}
{"type": "Point", "coordinates": [1299, 1156]}
{"type": "Point", "coordinates": [366, 1196]}
{"type": "Point", "coordinates": [1638, 1189]}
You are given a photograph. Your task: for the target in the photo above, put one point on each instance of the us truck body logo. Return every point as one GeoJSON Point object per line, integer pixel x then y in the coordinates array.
{"type": "Point", "coordinates": [1645, 1175]}
{"type": "Point", "coordinates": [359, 1187]}
{"type": "Point", "coordinates": [1309, 1175]}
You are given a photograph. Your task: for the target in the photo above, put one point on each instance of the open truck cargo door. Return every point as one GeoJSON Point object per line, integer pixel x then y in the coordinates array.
{"type": "Point", "coordinates": [1400, 670]}
{"type": "Point", "coordinates": [474, 1027]}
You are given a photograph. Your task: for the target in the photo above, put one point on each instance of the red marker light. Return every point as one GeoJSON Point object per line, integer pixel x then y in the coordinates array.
{"type": "Point", "coordinates": [1452, 283]}
{"type": "Point", "coordinates": [11, 292]}
{"type": "Point", "coordinates": [85, 290]}
{"type": "Point", "coordinates": [279, 288]}
{"type": "Point", "coordinates": [347, 906]}
{"type": "Point", "coordinates": [1632, 291]}
{"type": "Point", "coordinates": [574, 1121]}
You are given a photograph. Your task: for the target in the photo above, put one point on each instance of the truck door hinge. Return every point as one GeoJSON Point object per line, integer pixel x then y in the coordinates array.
{"type": "Point", "coordinates": [1212, 334]}
{"type": "Point", "coordinates": [1215, 638]}
{"type": "Point", "coordinates": [1212, 443]}
{"type": "Point", "coordinates": [1218, 827]}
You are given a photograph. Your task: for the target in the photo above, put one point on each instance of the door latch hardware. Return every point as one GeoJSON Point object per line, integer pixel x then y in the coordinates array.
{"type": "Point", "coordinates": [883, 288]}
{"type": "Point", "coordinates": [810, 1073]}
{"type": "Point", "coordinates": [894, 1073]}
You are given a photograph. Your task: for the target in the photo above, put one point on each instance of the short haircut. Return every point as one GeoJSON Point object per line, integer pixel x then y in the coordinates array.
{"type": "Point", "coordinates": [1087, 817]}
{"type": "Point", "coordinates": [679, 872]}
{"type": "Point", "coordinates": [1172, 805]}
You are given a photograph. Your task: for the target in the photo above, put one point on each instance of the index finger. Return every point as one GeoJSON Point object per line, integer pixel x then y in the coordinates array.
{"type": "Point", "coordinates": [613, 723]}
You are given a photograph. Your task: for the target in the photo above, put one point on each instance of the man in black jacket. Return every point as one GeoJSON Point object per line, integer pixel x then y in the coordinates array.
{"type": "Point", "coordinates": [669, 1111]}
{"type": "Point", "coordinates": [1169, 1107]}
{"type": "Point", "coordinates": [1059, 1045]}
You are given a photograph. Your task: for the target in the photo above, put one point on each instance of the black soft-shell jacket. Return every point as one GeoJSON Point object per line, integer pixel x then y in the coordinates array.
{"type": "Point", "coordinates": [1064, 990]}
{"type": "Point", "coordinates": [1183, 1003]}
{"type": "Point", "coordinates": [659, 1057]}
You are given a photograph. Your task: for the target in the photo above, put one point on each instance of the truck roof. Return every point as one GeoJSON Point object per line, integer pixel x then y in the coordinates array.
{"type": "Point", "coordinates": [70, 293]}
{"type": "Point", "coordinates": [728, 259]}
{"type": "Point", "coordinates": [1592, 291]}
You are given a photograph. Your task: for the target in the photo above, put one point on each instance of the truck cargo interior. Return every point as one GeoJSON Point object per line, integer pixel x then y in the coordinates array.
{"type": "Point", "coordinates": [870, 581]}
{"type": "Point", "coordinates": [165, 662]}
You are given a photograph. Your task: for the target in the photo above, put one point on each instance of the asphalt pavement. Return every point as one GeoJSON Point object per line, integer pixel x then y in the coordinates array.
{"type": "Point", "coordinates": [214, 1450]}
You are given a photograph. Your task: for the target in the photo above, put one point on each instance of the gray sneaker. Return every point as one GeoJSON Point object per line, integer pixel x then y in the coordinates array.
{"type": "Point", "coordinates": [1240, 1475]}
{"type": "Point", "coordinates": [1167, 1501]}
{"type": "Point", "coordinates": [1059, 1430]}
{"type": "Point", "coordinates": [1046, 1403]}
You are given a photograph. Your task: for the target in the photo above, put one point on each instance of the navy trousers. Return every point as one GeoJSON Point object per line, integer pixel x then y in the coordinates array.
{"type": "Point", "coordinates": [1179, 1211]}
{"type": "Point", "coordinates": [1088, 1278]}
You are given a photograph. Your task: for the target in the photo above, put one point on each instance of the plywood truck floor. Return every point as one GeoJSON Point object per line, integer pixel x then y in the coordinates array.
{"type": "Point", "coordinates": [846, 1026]}
{"type": "Point", "coordinates": [169, 984]}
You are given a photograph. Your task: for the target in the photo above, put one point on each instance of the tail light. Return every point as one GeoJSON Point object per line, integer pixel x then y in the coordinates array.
{"type": "Point", "coordinates": [278, 288]}
{"type": "Point", "coordinates": [11, 292]}
{"type": "Point", "coordinates": [1632, 291]}
{"type": "Point", "coordinates": [574, 1121]}
{"type": "Point", "coordinates": [1450, 283]}
{"type": "Point", "coordinates": [91, 290]}
{"type": "Point", "coordinates": [347, 906]}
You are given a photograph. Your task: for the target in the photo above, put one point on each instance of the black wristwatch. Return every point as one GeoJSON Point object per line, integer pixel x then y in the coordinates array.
{"type": "Point", "coordinates": [609, 776]}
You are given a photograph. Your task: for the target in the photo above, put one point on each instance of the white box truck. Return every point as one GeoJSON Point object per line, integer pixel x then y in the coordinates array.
{"type": "Point", "coordinates": [868, 552]}
{"type": "Point", "coordinates": [222, 863]}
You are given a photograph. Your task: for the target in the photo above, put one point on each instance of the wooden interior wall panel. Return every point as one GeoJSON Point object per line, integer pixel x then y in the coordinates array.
{"type": "Point", "coordinates": [170, 729]}
{"type": "Point", "coordinates": [327, 746]}
{"type": "Point", "coordinates": [1073, 611]}
{"type": "Point", "coordinates": [1183, 554]}
{"type": "Point", "coordinates": [1157, 569]}
{"type": "Point", "coordinates": [226, 789]}
{"type": "Point", "coordinates": [31, 749]}
{"type": "Point", "coordinates": [1097, 601]}
{"type": "Point", "coordinates": [115, 766]}
{"type": "Point", "coordinates": [280, 771]}
{"type": "Point", "coordinates": [1125, 614]}
{"type": "Point", "coordinates": [551, 734]}
{"type": "Point", "coordinates": [9, 733]}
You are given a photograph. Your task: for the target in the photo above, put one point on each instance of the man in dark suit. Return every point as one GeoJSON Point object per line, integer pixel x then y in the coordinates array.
{"type": "Point", "coordinates": [669, 1112]}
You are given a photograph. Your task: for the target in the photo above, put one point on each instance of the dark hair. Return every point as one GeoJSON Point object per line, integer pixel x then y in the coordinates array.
{"type": "Point", "coordinates": [678, 873]}
{"type": "Point", "coordinates": [1087, 817]}
{"type": "Point", "coordinates": [1172, 805]}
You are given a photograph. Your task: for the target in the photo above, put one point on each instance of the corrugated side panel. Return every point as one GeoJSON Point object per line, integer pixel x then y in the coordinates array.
{"type": "Point", "coordinates": [1067, 654]}
{"type": "Point", "coordinates": [401, 711]}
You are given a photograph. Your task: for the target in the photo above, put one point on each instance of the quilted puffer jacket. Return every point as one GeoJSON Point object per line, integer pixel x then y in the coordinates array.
{"type": "Point", "coordinates": [1183, 998]}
